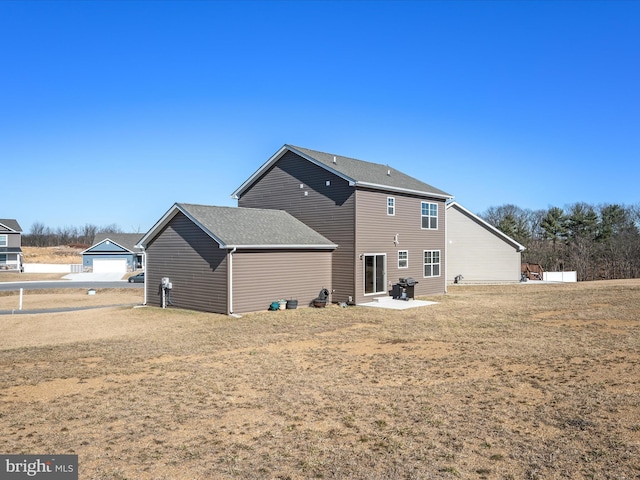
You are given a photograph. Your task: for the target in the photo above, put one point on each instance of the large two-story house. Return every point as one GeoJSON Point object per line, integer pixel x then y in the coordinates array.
{"type": "Point", "coordinates": [10, 245]}
{"type": "Point", "coordinates": [348, 226]}
{"type": "Point", "coordinates": [386, 224]}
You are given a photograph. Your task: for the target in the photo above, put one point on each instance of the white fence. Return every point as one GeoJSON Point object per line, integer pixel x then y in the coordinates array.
{"type": "Point", "coordinates": [567, 277]}
{"type": "Point", "coordinates": [52, 268]}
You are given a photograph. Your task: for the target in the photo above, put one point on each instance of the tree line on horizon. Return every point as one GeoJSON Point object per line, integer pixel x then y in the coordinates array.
{"type": "Point", "coordinates": [41, 235]}
{"type": "Point", "coordinates": [599, 242]}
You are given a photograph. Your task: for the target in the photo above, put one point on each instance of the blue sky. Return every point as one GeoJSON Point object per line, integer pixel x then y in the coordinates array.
{"type": "Point", "coordinates": [112, 111]}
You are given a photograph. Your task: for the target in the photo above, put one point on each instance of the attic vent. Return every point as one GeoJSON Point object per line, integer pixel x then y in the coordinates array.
{"type": "Point", "coordinates": [334, 159]}
{"type": "Point", "coordinates": [389, 172]}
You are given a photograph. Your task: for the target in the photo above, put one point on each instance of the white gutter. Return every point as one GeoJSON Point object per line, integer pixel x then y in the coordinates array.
{"type": "Point", "coordinates": [230, 287]}
{"type": "Point", "coordinates": [403, 190]}
{"type": "Point", "coordinates": [275, 247]}
{"type": "Point", "coordinates": [446, 249]}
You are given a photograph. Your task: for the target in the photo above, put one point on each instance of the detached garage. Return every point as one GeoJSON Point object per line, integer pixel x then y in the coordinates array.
{"type": "Point", "coordinates": [477, 252]}
{"type": "Point", "coordinates": [234, 260]}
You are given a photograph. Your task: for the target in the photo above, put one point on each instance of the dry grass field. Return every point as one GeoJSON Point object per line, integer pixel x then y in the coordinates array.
{"type": "Point", "coordinates": [60, 254]}
{"type": "Point", "coordinates": [494, 382]}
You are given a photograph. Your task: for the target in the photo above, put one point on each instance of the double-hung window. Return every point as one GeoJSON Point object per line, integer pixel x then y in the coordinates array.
{"type": "Point", "coordinates": [3, 240]}
{"type": "Point", "coordinates": [391, 206]}
{"type": "Point", "coordinates": [432, 263]}
{"type": "Point", "coordinates": [403, 258]}
{"type": "Point", "coordinates": [429, 215]}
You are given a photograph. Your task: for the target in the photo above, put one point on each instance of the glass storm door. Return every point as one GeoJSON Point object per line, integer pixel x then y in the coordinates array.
{"type": "Point", "coordinates": [374, 274]}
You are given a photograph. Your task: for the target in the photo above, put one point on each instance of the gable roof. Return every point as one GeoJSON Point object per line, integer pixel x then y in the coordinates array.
{"type": "Point", "coordinates": [486, 225]}
{"type": "Point", "coordinates": [127, 241]}
{"type": "Point", "coordinates": [357, 172]}
{"type": "Point", "coordinates": [234, 227]}
{"type": "Point", "coordinates": [10, 224]}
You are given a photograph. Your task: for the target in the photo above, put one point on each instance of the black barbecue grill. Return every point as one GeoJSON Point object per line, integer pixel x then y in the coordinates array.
{"type": "Point", "coordinates": [404, 289]}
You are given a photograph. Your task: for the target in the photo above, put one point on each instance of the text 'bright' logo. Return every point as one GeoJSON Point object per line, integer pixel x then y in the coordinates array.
{"type": "Point", "coordinates": [30, 468]}
{"type": "Point", "coordinates": [51, 467]}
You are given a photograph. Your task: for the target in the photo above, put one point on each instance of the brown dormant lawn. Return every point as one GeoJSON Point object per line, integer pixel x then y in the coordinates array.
{"type": "Point", "coordinates": [495, 382]}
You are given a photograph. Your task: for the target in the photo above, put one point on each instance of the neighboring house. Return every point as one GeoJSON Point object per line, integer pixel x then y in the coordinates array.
{"type": "Point", "coordinates": [10, 245]}
{"type": "Point", "coordinates": [479, 252]}
{"type": "Point", "coordinates": [113, 252]}
{"type": "Point", "coordinates": [386, 224]}
{"type": "Point", "coordinates": [234, 260]}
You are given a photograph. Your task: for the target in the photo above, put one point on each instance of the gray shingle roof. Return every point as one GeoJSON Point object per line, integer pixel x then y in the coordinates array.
{"type": "Point", "coordinates": [254, 227]}
{"type": "Point", "coordinates": [358, 172]}
{"type": "Point", "coordinates": [369, 174]}
{"type": "Point", "coordinates": [11, 224]}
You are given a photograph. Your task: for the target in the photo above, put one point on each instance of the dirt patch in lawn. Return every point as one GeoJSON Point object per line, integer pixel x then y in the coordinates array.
{"type": "Point", "coordinates": [494, 382]}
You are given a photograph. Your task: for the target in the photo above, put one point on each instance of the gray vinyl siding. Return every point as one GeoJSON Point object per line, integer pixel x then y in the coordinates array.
{"type": "Point", "coordinates": [375, 234]}
{"type": "Point", "coordinates": [477, 253]}
{"type": "Point", "coordinates": [329, 210]}
{"type": "Point", "coordinates": [261, 277]}
{"type": "Point", "coordinates": [194, 263]}
{"type": "Point", "coordinates": [14, 240]}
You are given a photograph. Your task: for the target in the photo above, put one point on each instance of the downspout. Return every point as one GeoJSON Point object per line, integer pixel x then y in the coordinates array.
{"type": "Point", "coordinates": [446, 248]}
{"type": "Point", "coordinates": [144, 267]}
{"type": "Point", "coordinates": [230, 286]}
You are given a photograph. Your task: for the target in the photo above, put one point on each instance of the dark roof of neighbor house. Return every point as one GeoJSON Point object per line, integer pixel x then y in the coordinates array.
{"type": "Point", "coordinates": [356, 172]}
{"type": "Point", "coordinates": [11, 224]}
{"type": "Point", "coordinates": [486, 225]}
{"type": "Point", "coordinates": [125, 240]}
{"type": "Point", "coordinates": [233, 227]}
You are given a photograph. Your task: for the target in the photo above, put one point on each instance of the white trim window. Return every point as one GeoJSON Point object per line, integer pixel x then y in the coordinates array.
{"type": "Point", "coordinates": [4, 240]}
{"type": "Point", "coordinates": [429, 214]}
{"type": "Point", "coordinates": [403, 258]}
{"type": "Point", "coordinates": [432, 263]}
{"type": "Point", "coordinates": [391, 206]}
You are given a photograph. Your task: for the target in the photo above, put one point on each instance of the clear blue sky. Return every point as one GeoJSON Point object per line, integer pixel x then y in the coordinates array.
{"type": "Point", "coordinates": [112, 111]}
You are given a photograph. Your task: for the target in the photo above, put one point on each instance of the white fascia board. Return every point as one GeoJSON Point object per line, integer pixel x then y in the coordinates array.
{"type": "Point", "coordinates": [11, 230]}
{"type": "Point", "coordinates": [503, 235]}
{"type": "Point", "coordinates": [402, 190]}
{"type": "Point", "coordinates": [158, 225]}
{"type": "Point", "coordinates": [166, 218]}
{"type": "Point", "coordinates": [326, 167]}
{"type": "Point", "coordinates": [202, 227]}
{"type": "Point", "coordinates": [276, 247]}
{"type": "Point", "coordinates": [274, 158]}
{"type": "Point", "coordinates": [105, 240]}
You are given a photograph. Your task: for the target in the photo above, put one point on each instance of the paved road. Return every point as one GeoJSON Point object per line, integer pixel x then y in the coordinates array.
{"type": "Point", "coordinates": [67, 284]}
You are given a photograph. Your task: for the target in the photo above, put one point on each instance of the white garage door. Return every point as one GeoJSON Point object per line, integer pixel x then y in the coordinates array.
{"type": "Point", "coordinates": [118, 265]}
